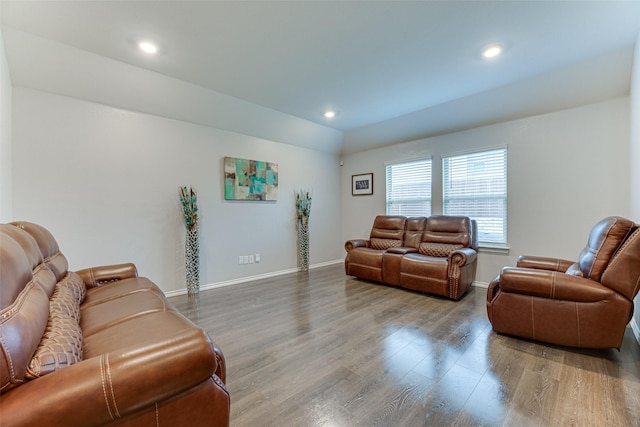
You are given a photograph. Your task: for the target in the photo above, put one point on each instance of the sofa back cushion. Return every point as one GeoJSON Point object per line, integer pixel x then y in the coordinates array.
{"type": "Point", "coordinates": [604, 240]}
{"type": "Point", "coordinates": [414, 228]}
{"type": "Point", "coordinates": [623, 272]}
{"type": "Point", "coordinates": [387, 232]}
{"type": "Point", "coordinates": [449, 230]}
{"type": "Point", "coordinates": [25, 287]}
{"type": "Point", "coordinates": [48, 245]}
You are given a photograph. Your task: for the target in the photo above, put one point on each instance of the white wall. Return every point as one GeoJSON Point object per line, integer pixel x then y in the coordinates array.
{"type": "Point", "coordinates": [105, 182]}
{"type": "Point", "coordinates": [566, 171]}
{"type": "Point", "coordinates": [5, 137]}
{"type": "Point", "coordinates": [635, 157]}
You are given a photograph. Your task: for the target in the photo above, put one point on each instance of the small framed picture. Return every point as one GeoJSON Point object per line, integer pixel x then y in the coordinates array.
{"type": "Point", "coordinates": [362, 184]}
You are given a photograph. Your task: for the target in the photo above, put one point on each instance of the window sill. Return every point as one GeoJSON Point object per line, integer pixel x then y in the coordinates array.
{"type": "Point", "coordinates": [494, 248]}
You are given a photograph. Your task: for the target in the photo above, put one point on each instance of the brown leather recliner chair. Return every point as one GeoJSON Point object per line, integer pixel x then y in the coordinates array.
{"type": "Point", "coordinates": [584, 304]}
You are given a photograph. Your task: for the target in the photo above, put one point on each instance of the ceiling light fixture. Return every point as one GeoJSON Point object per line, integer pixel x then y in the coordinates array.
{"type": "Point", "coordinates": [492, 51]}
{"type": "Point", "coordinates": [148, 47]}
{"type": "Point", "coordinates": [329, 114]}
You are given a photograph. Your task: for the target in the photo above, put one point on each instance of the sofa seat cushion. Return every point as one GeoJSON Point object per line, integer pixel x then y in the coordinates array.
{"type": "Point", "coordinates": [100, 294]}
{"type": "Point", "coordinates": [433, 249]}
{"type": "Point", "coordinates": [137, 332]}
{"type": "Point", "coordinates": [422, 265]}
{"type": "Point", "coordinates": [365, 263]}
{"type": "Point", "coordinates": [61, 344]}
{"type": "Point", "coordinates": [112, 311]}
{"type": "Point", "coordinates": [425, 273]}
{"type": "Point", "coordinates": [366, 256]}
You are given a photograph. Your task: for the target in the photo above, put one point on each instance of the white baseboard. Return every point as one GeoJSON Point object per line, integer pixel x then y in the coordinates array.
{"type": "Point", "coordinates": [480, 284]}
{"type": "Point", "coordinates": [250, 278]}
{"type": "Point", "coordinates": [635, 328]}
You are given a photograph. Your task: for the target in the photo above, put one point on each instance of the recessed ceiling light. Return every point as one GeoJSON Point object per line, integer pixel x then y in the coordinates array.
{"type": "Point", "coordinates": [148, 47]}
{"type": "Point", "coordinates": [492, 51]}
{"type": "Point", "coordinates": [329, 114]}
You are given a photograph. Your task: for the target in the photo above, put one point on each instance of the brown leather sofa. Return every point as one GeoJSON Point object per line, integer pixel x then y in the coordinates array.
{"type": "Point", "coordinates": [97, 347]}
{"type": "Point", "coordinates": [586, 304]}
{"type": "Point", "coordinates": [436, 254]}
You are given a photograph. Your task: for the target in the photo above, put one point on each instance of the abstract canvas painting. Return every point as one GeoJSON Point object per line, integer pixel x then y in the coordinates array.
{"type": "Point", "coordinates": [250, 179]}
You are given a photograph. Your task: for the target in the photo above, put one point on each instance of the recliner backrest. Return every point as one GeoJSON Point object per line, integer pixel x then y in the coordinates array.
{"type": "Point", "coordinates": [387, 232]}
{"type": "Point", "coordinates": [446, 233]}
{"type": "Point", "coordinates": [25, 287]}
{"type": "Point", "coordinates": [623, 272]}
{"type": "Point", "coordinates": [448, 229]}
{"type": "Point", "coordinates": [414, 228]}
{"type": "Point", "coordinates": [53, 258]}
{"type": "Point", "coordinates": [605, 239]}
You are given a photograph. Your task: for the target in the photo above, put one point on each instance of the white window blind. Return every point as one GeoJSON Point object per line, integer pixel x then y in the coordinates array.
{"type": "Point", "coordinates": [409, 188]}
{"type": "Point", "coordinates": [475, 185]}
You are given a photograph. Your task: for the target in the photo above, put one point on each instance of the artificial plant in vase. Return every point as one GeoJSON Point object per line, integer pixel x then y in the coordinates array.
{"type": "Point", "coordinates": [189, 202]}
{"type": "Point", "coordinates": [303, 210]}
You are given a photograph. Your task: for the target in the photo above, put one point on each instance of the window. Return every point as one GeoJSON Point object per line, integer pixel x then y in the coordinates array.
{"type": "Point", "coordinates": [475, 185]}
{"type": "Point", "coordinates": [409, 188]}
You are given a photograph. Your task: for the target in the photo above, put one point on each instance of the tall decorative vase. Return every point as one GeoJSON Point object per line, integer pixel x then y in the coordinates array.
{"type": "Point", "coordinates": [189, 203]}
{"type": "Point", "coordinates": [303, 243]}
{"type": "Point", "coordinates": [192, 261]}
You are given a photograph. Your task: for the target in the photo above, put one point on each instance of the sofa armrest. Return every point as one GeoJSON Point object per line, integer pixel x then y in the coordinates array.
{"type": "Point", "coordinates": [463, 256]}
{"type": "Point", "coordinates": [543, 263]}
{"type": "Point", "coordinates": [355, 243]}
{"type": "Point", "coordinates": [552, 284]}
{"type": "Point", "coordinates": [97, 276]}
{"type": "Point", "coordinates": [105, 388]}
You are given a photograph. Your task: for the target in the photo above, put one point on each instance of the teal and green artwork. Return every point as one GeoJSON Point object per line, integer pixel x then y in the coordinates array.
{"type": "Point", "coordinates": [250, 179]}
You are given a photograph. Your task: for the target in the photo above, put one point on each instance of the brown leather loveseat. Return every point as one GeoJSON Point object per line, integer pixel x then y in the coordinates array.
{"type": "Point", "coordinates": [97, 347]}
{"type": "Point", "coordinates": [436, 254]}
{"type": "Point", "coordinates": [587, 303]}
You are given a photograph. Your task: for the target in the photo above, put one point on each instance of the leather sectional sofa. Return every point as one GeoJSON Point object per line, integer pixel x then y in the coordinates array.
{"type": "Point", "coordinates": [436, 254]}
{"type": "Point", "coordinates": [97, 347]}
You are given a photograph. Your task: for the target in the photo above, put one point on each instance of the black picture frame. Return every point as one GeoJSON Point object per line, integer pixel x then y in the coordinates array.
{"type": "Point", "coordinates": [362, 184]}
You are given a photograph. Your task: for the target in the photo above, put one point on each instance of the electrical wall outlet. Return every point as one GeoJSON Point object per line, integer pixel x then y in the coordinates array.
{"type": "Point", "coordinates": [248, 259]}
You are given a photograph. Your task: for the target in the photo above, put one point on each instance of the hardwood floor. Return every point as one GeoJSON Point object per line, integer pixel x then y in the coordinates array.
{"type": "Point", "coordinates": [325, 349]}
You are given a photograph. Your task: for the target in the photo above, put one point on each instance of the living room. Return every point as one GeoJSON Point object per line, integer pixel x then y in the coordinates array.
{"type": "Point", "coordinates": [96, 149]}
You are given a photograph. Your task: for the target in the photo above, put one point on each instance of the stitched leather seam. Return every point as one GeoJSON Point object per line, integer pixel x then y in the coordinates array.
{"type": "Point", "coordinates": [157, 415]}
{"type": "Point", "coordinates": [104, 386]}
{"type": "Point", "coordinates": [113, 396]}
{"type": "Point", "coordinates": [9, 358]}
{"type": "Point", "coordinates": [578, 322]}
{"type": "Point", "coordinates": [9, 314]}
{"type": "Point", "coordinates": [533, 319]}
{"type": "Point", "coordinates": [93, 278]}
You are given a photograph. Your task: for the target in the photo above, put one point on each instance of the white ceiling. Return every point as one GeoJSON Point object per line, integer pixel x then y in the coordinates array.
{"type": "Point", "coordinates": [393, 70]}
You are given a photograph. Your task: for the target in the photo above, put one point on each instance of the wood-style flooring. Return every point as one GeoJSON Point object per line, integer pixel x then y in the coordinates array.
{"type": "Point", "coordinates": [324, 349]}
